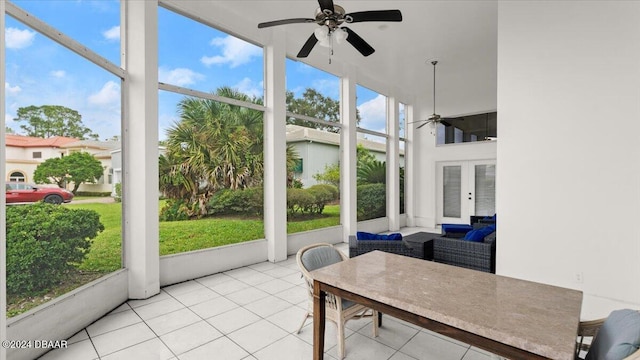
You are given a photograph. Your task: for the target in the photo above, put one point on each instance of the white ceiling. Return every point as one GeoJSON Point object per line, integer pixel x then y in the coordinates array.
{"type": "Point", "coordinates": [461, 35]}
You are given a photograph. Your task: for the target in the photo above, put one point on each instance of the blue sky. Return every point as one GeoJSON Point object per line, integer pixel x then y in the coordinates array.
{"type": "Point", "coordinates": [191, 55]}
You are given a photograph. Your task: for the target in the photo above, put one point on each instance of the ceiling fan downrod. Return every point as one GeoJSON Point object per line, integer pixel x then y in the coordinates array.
{"type": "Point", "coordinates": [434, 63]}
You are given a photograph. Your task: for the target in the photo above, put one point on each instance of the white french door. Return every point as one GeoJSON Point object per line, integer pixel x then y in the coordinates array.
{"type": "Point", "coordinates": [465, 188]}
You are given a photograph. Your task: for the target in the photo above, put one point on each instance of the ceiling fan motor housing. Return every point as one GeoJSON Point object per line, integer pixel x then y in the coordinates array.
{"type": "Point", "coordinates": [329, 18]}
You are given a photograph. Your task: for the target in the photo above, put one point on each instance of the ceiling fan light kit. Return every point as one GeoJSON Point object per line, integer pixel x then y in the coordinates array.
{"type": "Point", "coordinates": [330, 17]}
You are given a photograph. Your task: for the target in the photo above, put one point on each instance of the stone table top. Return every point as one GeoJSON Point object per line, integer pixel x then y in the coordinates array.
{"type": "Point", "coordinates": [539, 318]}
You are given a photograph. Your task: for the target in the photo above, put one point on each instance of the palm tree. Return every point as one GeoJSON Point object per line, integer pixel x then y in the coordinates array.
{"type": "Point", "coordinates": [372, 172]}
{"type": "Point", "coordinates": [214, 145]}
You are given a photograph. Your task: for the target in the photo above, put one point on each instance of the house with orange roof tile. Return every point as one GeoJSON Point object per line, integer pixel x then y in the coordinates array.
{"type": "Point", "coordinates": [25, 153]}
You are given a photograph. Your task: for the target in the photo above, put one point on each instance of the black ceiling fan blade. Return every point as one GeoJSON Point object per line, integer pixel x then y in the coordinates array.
{"type": "Point", "coordinates": [285, 22]}
{"type": "Point", "coordinates": [307, 47]}
{"type": "Point", "coordinates": [445, 122]}
{"type": "Point", "coordinates": [358, 42]}
{"type": "Point", "coordinates": [374, 15]}
{"type": "Point", "coordinates": [326, 5]}
{"type": "Point", "coordinates": [426, 122]}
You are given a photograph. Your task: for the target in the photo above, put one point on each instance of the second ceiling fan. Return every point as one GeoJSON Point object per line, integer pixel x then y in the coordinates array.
{"type": "Point", "coordinates": [434, 118]}
{"type": "Point", "coordinates": [330, 17]}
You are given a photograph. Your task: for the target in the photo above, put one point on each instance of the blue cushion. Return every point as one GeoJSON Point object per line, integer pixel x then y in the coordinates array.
{"type": "Point", "coordinates": [490, 217]}
{"type": "Point", "coordinates": [361, 235]}
{"type": "Point", "coordinates": [479, 234]}
{"type": "Point", "coordinates": [618, 337]}
{"type": "Point", "coordinates": [474, 235]}
{"type": "Point", "coordinates": [456, 228]}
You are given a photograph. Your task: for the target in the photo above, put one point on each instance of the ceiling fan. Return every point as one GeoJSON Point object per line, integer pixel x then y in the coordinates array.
{"type": "Point", "coordinates": [434, 118]}
{"type": "Point", "coordinates": [330, 17]}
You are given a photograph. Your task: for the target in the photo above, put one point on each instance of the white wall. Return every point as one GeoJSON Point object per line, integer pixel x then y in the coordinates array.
{"type": "Point", "coordinates": [568, 153]}
{"type": "Point", "coordinates": [315, 156]}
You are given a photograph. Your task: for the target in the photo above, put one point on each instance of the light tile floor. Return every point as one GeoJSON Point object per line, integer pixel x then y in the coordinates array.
{"type": "Point", "coordinates": [247, 313]}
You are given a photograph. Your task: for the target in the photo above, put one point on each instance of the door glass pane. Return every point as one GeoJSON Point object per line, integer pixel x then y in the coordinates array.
{"type": "Point", "coordinates": [452, 181]}
{"type": "Point", "coordinates": [485, 181]}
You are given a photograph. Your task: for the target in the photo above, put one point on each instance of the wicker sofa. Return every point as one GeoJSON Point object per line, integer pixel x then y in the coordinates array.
{"type": "Point", "coordinates": [468, 254]}
{"type": "Point", "coordinates": [400, 247]}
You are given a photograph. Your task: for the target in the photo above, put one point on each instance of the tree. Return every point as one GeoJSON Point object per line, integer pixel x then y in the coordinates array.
{"type": "Point", "coordinates": [374, 172]}
{"type": "Point", "coordinates": [53, 120]}
{"type": "Point", "coordinates": [78, 168]}
{"type": "Point", "coordinates": [8, 130]}
{"type": "Point", "coordinates": [51, 171]}
{"type": "Point", "coordinates": [214, 146]}
{"type": "Point", "coordinates": [331, 175]}
{"type": "Point", "coordinates": [83, 167]}
{"type": "Point", "coordinates": [316, 105]}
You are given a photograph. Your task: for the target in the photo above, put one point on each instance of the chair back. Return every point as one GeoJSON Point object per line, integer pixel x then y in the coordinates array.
{"type": "Point", "coordinates": [316, 256]}
{"type": "Point", "coordinates": [618, 337]}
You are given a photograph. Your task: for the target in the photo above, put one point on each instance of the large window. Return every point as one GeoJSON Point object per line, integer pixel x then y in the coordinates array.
{"type": "Point", "coordinates": [313, 148]}
{"type": "Point", "coordinates": [372, 154]}
{"type": "Point", "coordinates": [211, 132]}
{"type": "Point", "coordinates": [17, 176]}
{"type": "Point", "coordinates": [402, 120]}
{"type": "Point", "coordinates": [56, 94]}
{"type": "Point", "coordinates": [472, 128]}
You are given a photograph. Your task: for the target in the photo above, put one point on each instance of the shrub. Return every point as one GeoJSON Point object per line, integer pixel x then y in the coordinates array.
{"type": "Point", "coordinates": [335, 192]}
{"type": "Point", "coordinates": [321, 196]}
{"type": "Point", "coordinates": [371, 201]}
{"type": "Point", "coordinates": [118, 188]}
{"type": "Point", "coordinates": [175, 210]}
{"type": "Point", "coordinates": [43, 243]}
{"type": "Point", "coordinates": [299, 201]}
{"type": "Point", "coordinates": [237, 202]}
{"type": "Point", "coordinates": [93, 193]}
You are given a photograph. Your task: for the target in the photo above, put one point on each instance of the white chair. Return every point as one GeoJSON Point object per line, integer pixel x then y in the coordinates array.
{"type": "Point", "coordinates": [339, 311]}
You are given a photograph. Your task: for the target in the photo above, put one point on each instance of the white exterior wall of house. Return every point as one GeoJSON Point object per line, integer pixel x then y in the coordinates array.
{"type": "Point", "coordinates": [568, 151]}
{"type": "Point", "coordinates": [315, 156]}
{"type": "Point", "coordinates": [20, 159]}
{"type": "Point", "coordinates": [15, 152]}
{"type": "Point", "coordinates": [102, 185]}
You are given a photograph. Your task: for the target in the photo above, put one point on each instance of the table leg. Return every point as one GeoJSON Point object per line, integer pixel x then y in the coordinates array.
{"type": "Point", "coordinates": [318, 321]}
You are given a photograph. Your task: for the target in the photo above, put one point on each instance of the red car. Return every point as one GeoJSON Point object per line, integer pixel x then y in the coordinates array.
{"type": "Point", "coordinates": [19, 192]}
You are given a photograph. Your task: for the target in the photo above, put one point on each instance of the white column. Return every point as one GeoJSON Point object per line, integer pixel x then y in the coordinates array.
{"type": "Point", "coordinates": [275, 144]}
{"type": "Point", "coordinates": [3, 166]}
{"type": "Point", "coordinates": [140, 187]}
{"type": "Point", "coordinates": [409, 165]}
{"type": "Point", "coordinates": [393, 164]}
{"type": "Point", "coordinates": [348, 158]}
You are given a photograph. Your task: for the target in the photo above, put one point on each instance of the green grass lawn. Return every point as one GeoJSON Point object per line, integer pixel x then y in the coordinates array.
{"type": "Point", "coordinates": [182, 236]}
{"type": "Point", "coordinates": [175, 237]}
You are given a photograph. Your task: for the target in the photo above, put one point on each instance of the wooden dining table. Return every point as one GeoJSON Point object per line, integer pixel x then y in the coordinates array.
{"type": "Point", "coordinates": [509, 317]}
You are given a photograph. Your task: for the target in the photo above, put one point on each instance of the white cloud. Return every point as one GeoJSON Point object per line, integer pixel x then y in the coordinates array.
{"type": "Point", "coordinates": [18, 39]}
{"type": "Point", "coordinates": [235, 52]}
{"type": "Point", "coordinates": [8, 118]}
{"type": "Point", "coordinates": [373, 114]}
{"type": "Point", "coordinates": [58, 73]}
{"type": "Point", "coordinates": [109, 94]}
{"type": "Point", "coordinates": [112, 34]}
{"type": "Point", "coordinates": [11, 90]}
{"type": "Point", "coordinates": [327, 87]}
{"type": "Point", "coordinates": [179, 76]}
{"type": "Point", "coordinates": [247, 86]}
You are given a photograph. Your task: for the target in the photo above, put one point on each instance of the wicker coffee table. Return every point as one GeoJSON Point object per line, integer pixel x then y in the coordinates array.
{"type": "Point", "coordinates": [422, 241]}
